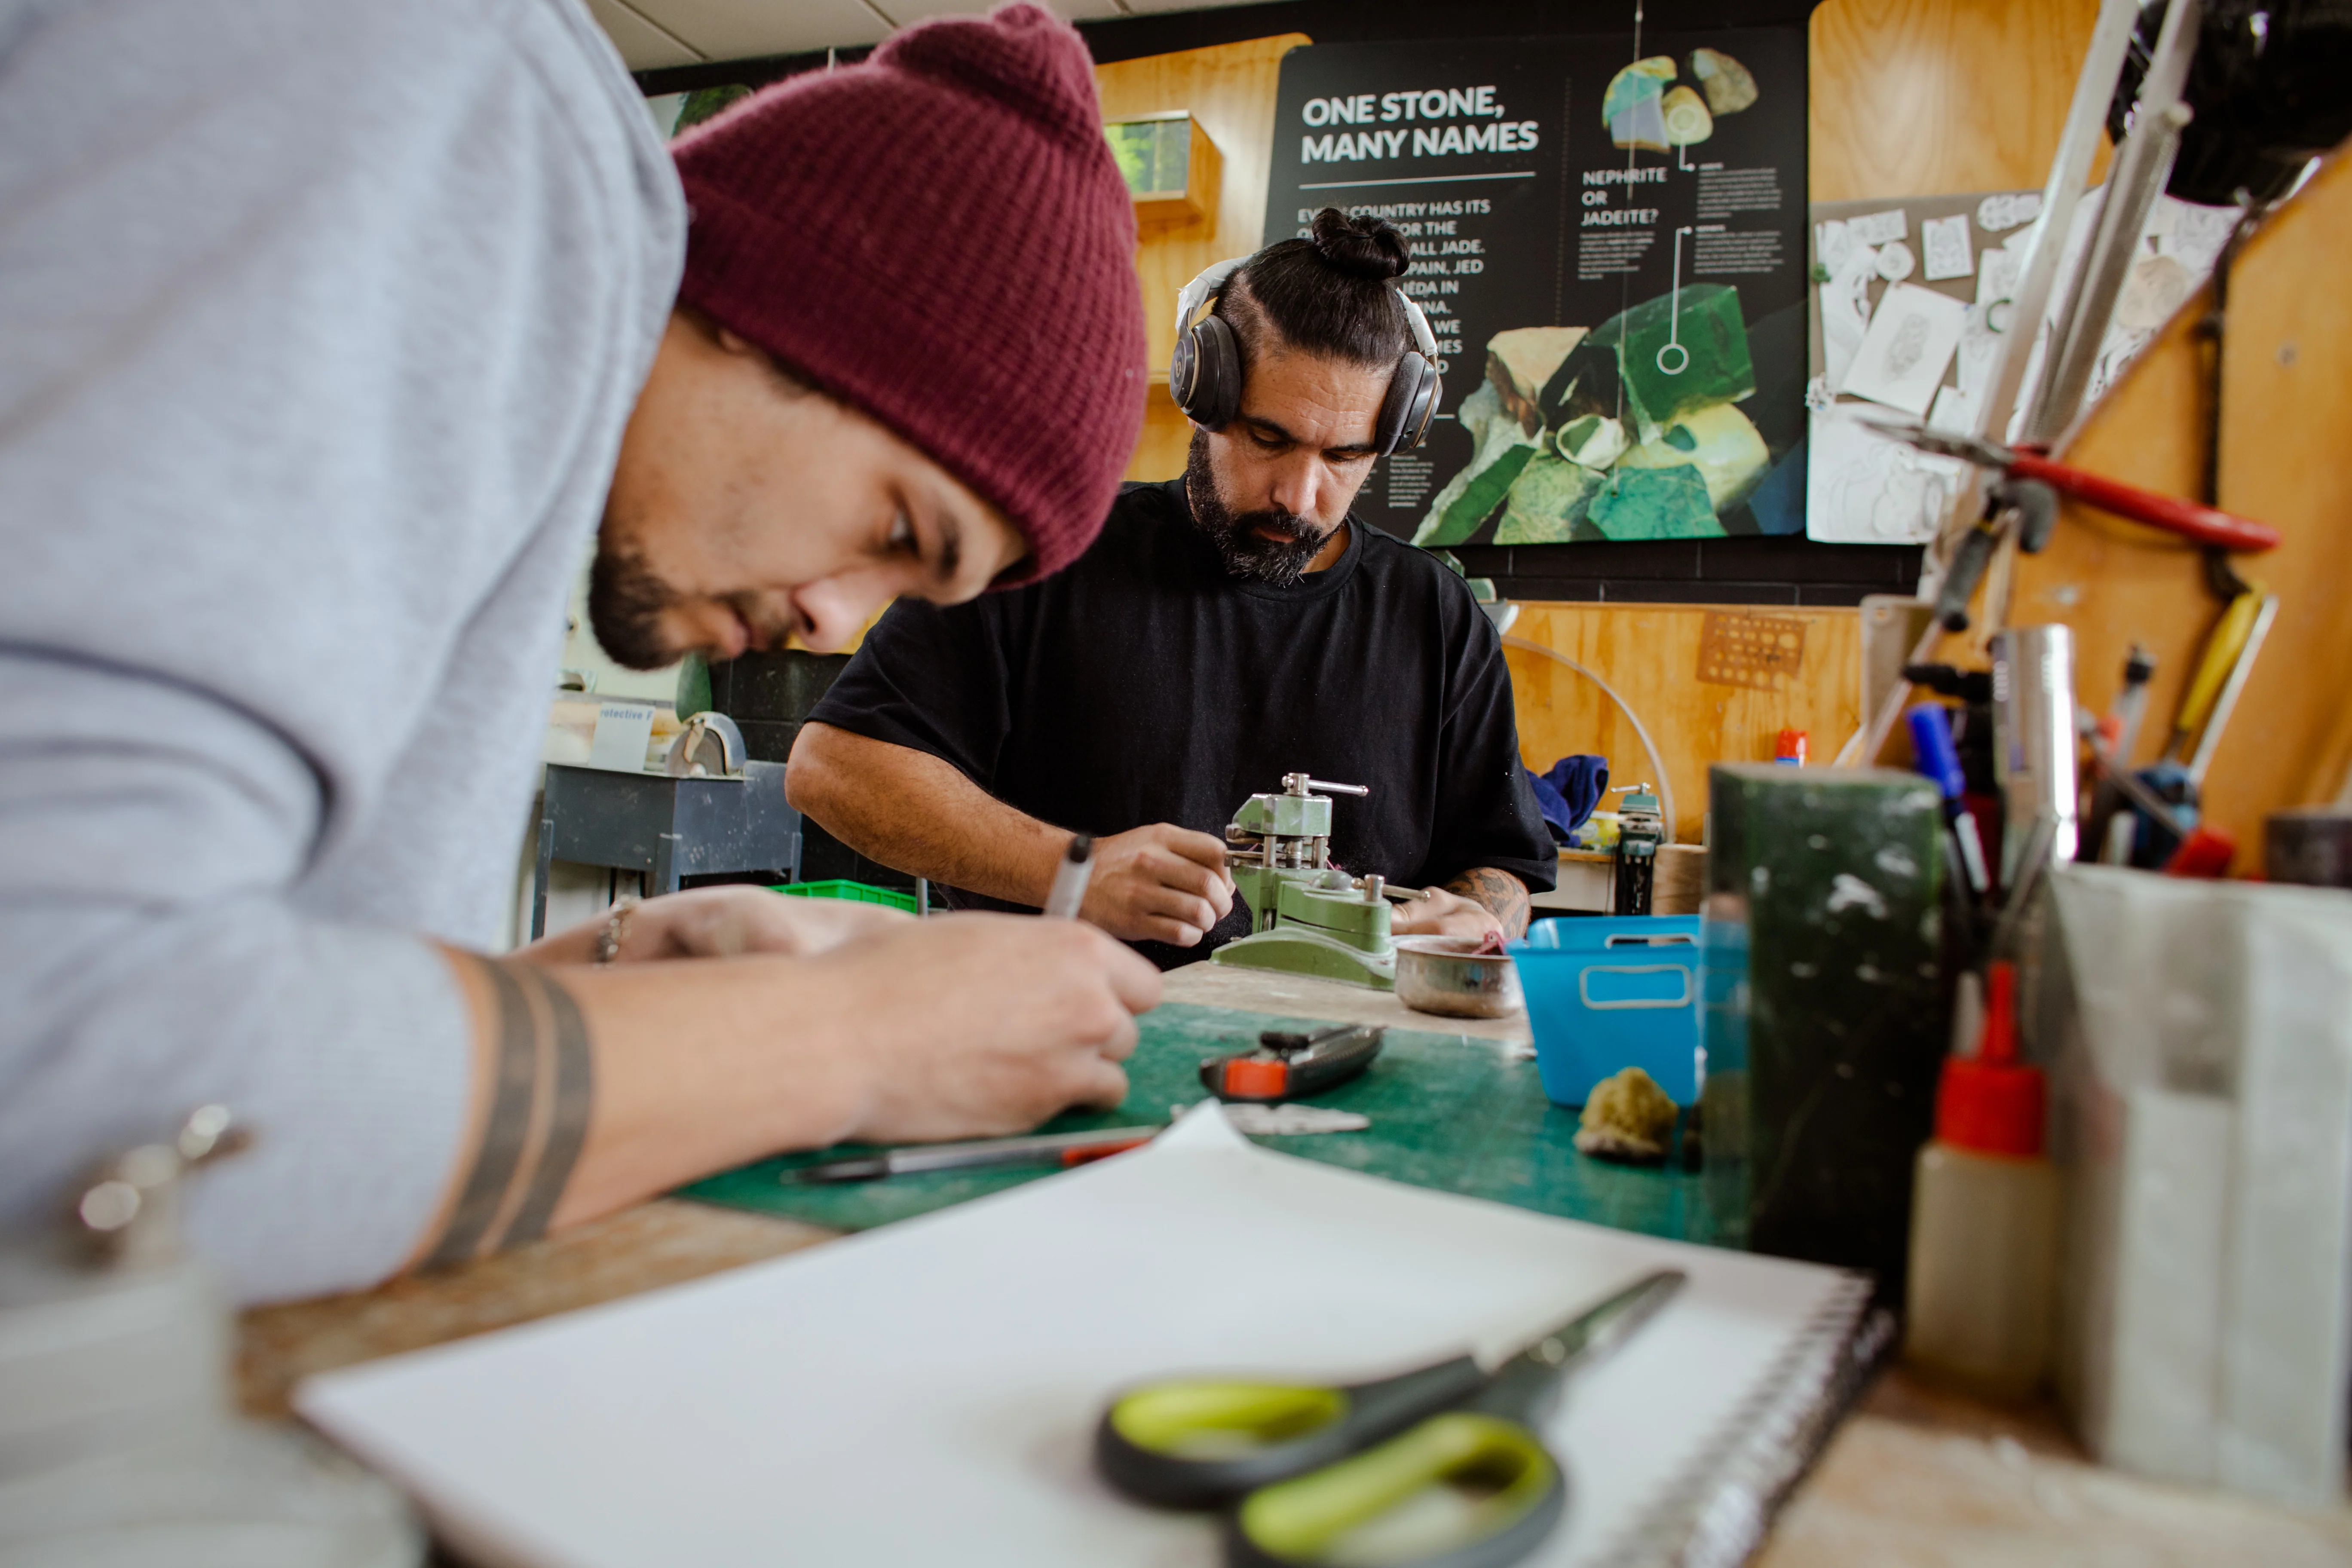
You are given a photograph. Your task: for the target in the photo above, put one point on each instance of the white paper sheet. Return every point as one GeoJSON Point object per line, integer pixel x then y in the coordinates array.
{"type": "Point", "coordinates": [1863, 488]}
{"type": "Point", "coordinates": [1955, 412]}
{"type": "Point", "coordinates": [2008, 209]}
{"type": "Point", "coordinates": [1909, 346]}
{"type": "Point", "coordinates": [1946, 242]}
{"type": "Point", "coordinates": [1846, 310]}
{"type": "Point", "coordinates": [1832, 243]}
{"type": "Point", "coordinates": [1997, 273]}
{"type": "Point", "coordinates": [1878, 228]}
{"type": "Point", "coordinates": [927, 1393]}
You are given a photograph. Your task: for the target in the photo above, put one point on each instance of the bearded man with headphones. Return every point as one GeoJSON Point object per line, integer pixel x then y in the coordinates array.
{"type": "Point", "coordinates": [1227, 628]}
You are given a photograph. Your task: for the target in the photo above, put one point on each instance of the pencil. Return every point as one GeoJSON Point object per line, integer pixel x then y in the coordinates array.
{"type": "Point", "coordinates": [1065, 1149]}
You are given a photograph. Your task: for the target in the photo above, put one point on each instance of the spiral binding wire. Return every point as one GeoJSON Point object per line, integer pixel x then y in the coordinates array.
{"type": "Point", "coordinates": [1715, 1515]}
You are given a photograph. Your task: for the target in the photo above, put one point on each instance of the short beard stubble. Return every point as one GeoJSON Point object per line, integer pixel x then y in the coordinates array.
{"type": "Point", "coordinates": [625, 601]}
{"type": "Point", "coordinates": [1278, 562]}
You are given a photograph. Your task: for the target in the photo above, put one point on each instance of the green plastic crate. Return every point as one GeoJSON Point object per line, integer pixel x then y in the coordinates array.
{"type": "Point", "coordinates": [854, 892]}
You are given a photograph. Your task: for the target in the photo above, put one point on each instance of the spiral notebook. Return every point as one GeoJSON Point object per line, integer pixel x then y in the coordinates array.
{"type": "Point", "coordinates": [926, 1392]}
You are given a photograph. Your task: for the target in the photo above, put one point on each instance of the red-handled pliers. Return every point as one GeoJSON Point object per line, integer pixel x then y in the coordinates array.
{"type": "Point", "coordinates": [2190, 520]}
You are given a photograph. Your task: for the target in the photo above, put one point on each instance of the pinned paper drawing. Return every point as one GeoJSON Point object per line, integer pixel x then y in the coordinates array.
{"type": "Point", "coordinates": [1927, 339]}
{"type": "Point", "coordinates": [1946, 242]}
{"type": "Point", "coordinates": [1864, 489]}
{"type": "Point", "coordinates": [2007, 209]}
{"type": "Point", "coordinates": [1910, 343]}
{"type": "Point", "coordinates": [1878, 228]}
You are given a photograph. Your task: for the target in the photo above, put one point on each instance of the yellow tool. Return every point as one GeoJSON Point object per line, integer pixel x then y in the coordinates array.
{"type": "Point", "coordinates": [2222, 651]}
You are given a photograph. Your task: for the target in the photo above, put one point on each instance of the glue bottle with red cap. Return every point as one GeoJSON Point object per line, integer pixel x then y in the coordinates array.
{"type": "Point", "coordinates": [1984, 1218]}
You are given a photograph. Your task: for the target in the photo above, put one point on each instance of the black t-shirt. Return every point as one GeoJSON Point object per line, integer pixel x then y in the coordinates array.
{"type": "Point", "coordinates": [1146, 684]}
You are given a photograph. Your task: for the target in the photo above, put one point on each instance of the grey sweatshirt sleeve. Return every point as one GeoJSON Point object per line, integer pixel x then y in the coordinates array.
{"type": "Point", "coordinates": [321, 320]}
{"type": "Point", "coordinates": [155, 963]}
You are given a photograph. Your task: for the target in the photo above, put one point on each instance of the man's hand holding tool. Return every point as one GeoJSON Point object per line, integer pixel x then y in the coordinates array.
{"type": "Point", "coordinates": [1158, 883]}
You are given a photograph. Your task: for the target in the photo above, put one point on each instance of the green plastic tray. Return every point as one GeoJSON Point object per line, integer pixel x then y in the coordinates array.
{"type": "Point", "coordinates": [1448, 1111]}
{"type": "Point", "coordinates": [854, 892]}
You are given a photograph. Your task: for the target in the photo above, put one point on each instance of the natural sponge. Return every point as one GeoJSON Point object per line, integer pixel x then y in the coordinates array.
{"type": "Point", "coordinates": [1628, 1117]}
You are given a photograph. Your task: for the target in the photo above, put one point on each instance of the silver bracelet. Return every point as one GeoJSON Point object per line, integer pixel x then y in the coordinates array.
{"type": "Point", "coordinates": [616, 932]}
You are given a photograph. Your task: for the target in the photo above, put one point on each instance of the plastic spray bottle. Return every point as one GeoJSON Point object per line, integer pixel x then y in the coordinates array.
{"type": "Point", "coordinates": [1984, 1218]}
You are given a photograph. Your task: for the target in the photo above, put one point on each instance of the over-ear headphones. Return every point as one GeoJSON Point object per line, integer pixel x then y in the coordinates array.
{"type": "Point", "coordinates": [1205, 375]}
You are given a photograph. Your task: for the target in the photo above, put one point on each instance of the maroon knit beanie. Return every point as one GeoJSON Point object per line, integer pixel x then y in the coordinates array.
{"type": "Point", "coordinates": [940, 237]}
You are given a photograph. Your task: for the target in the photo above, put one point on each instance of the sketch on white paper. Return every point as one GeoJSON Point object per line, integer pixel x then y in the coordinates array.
{"type": "Point", "coordinates": [1980, 351]}
{"type": "Point", "coordinates": [1945, 242]}
{"type": "Point", "coordinates": [1845, 311]}
{"type": "Point", "coordinates": [2008, 209]}
{"type": "Point", "coordinates": [1903, 357]}
{"type": "Point", "coordinates": [1833, 243]}
{"type": "Point", "coordinates": [1895, 261]}
{"type": "Point", "coordinates": [1955, 412]}
{"type": "Point", "coordinates": [1878, 228]}
{"type": "Point", "coordinates": [1862, 488]}
{"type": "Point", "coordinates": [1998, 267]}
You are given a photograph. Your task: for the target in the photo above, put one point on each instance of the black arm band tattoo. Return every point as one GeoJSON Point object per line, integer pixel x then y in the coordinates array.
{"type": "Point", "coordinates": [542, 1090]}
{"type": "Point", "coordinates": [515, 1078]}
{"type": "Point", "coordinates": [574, 1092]}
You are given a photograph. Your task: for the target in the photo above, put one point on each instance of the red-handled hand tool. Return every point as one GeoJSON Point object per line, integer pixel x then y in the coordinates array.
{"type": "Point", "coordinates": [1288, 1066]}
{"type": "Point", "coordinates": [2191, 519]}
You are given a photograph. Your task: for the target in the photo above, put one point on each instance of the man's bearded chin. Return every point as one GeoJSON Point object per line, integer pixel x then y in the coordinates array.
{"type": "Point", "coordinates": [1280, 562]}
{"type": "Point", "coordinates": [625, 601]}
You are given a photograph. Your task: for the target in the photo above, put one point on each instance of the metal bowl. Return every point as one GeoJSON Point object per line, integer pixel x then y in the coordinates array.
{"type": "Point", "coordinates": [1448, 974]}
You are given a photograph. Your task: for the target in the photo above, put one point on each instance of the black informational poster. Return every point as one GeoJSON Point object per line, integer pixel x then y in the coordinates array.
{"type": "Point", "coordinates": [1609, 244]}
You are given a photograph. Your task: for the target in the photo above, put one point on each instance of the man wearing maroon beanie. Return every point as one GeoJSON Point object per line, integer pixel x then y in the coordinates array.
{"type": "Point", "coordinates": [940, 240]}
{"type": "Point", "coordinates": [336, 329]}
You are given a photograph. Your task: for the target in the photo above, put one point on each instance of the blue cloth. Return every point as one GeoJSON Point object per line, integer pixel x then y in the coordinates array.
{"type": "Point", "coordinates": [1569, 792]}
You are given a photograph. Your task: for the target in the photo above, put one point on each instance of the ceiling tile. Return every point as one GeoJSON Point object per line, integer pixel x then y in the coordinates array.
{"type": "Point", "coordinates": [644, 46]}
{"type": "Point", "coordinates": [741, 29]}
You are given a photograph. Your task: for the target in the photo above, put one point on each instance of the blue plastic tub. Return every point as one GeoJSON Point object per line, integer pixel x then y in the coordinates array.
{"type": "Point", "coordinates": [1604, 995]}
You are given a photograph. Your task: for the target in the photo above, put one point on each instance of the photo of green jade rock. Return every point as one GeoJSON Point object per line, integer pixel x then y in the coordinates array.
{"type": "Point", "coordinates": [1627, 430]}
{"type": "Point", "coordinates": [1624, 431]}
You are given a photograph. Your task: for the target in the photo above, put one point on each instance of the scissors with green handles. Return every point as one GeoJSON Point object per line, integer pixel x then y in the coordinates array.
{"type": "Point", "coordinates": [1437, 1467]}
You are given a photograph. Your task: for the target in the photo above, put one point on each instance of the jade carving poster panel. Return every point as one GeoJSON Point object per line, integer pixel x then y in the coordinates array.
{"type": "Point", "coordinates": [1608, 237]}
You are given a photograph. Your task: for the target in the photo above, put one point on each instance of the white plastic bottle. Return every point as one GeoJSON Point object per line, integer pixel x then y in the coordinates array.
{"type": "Point", "coordinates": [1984, 1219]}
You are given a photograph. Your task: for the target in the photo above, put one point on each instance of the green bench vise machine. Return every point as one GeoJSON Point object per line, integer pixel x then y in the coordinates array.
{"type": "Point", "coordinates": [1306, 916]}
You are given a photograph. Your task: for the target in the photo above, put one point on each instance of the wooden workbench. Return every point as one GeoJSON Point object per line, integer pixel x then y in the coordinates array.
{"type": "Point", "coordinates": [1916, 1476]}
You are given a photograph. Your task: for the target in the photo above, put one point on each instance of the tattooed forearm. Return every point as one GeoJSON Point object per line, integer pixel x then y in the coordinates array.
{"type": "Point", "coordinates": [1503, 895]}
{"type": "Point", "coordinates": [541, 1091]}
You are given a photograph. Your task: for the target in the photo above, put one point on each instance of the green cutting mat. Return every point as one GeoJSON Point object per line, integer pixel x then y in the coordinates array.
{"type": "Point", "coordinates": [1447, 1111]}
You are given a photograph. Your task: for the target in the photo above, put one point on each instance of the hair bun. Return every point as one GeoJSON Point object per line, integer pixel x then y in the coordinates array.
{"type": "Point", "coordinates": [1363, 248]}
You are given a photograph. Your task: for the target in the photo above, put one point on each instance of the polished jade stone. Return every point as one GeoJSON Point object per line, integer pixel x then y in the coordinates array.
{"type": "Point", "coordinates": [1654, 503]}
{"type": "Point", "coordinates": [1547, 502]}
{"type": "Point", "coordinates": [1471, 496]}
{"type": "Point", "coordinates": [1680, 352]}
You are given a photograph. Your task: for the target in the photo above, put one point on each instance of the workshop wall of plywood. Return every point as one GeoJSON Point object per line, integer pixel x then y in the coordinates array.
{"type": "Point", "coordinates": [1229, 90]}
{"type": "Point", "coordinates": [1689, 671]}
{"type": "Point", "coordinates": [1922, 97]}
